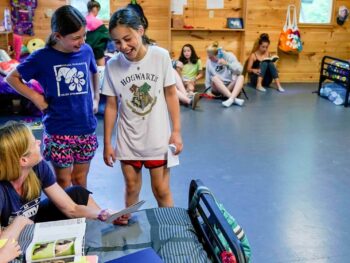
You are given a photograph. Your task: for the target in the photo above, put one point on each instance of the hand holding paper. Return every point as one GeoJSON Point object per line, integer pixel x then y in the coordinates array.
{"type": "Point", "coordinates": [131, 209]}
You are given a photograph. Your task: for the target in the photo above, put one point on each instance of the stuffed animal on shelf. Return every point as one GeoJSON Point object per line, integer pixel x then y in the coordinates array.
{"type": "Point", "coordinates": [35, 44]}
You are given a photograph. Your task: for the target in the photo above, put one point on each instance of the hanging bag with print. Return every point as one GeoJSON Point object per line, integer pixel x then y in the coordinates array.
{"type": "Point", "coordinates": [289, 40]}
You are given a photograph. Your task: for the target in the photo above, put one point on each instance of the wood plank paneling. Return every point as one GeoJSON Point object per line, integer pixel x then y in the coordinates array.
{"type": "Point", "coordinates": [196, 15]}
{"type": "Point", "coordinates": [262, 16]}
{"type": "Point", "coordinates": [268, 17]}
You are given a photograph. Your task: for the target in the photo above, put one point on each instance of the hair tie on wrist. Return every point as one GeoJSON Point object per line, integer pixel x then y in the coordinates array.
{"type": "Point", "coordinates": [99, 216]}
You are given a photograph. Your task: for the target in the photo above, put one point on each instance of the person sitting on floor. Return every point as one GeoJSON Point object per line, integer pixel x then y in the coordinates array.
{"type": "Point", "coordinates": [262, 72]}
{"type": "Point", "coordinates": [190, 67]}
{"type": "Point", "coordinates": [23, 177]}
{"type": "Point", "coordinates": [224, 75]}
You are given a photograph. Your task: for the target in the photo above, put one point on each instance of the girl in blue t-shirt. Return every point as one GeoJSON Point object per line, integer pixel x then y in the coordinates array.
{"type": "Point", "coordinates": [63, 68]}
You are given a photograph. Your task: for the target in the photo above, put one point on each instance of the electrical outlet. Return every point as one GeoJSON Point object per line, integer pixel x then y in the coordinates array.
{"type": "Point", "coordinates": [211, 14]}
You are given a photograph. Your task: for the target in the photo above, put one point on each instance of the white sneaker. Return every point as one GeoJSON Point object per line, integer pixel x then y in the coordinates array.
{"type": "Point", "coordinates": [227, 103]}
{"type": "Point", "coordinates": [262, 89]}
{"type": "Point", "coordinates": [239, 102]}
{"type": "Point", "coordinates": [280, 89]}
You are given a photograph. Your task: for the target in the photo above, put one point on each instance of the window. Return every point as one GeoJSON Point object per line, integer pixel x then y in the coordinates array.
{"type": "Point", "coordinates": [81, 6]}
{"type": "Point", "coordinates": [316, 11]}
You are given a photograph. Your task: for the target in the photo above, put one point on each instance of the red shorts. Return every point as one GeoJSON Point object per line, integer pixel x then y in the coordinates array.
{"type": "Point", "coordinates": [147, 163]}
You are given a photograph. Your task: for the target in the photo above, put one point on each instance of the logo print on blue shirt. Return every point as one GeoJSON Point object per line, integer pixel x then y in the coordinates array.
{"type": "Point", "coordinates": [71, 79]}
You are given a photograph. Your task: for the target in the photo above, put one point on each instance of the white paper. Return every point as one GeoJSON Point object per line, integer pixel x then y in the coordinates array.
{"type": "Point", "coordinates": [177, 7]}
{"type": "Point", "coordinates": [55, 237]}
{"type": "Point", "coordinates": [131, 209]}
{"type": "Point", "coordinates": [215, 4]}
{"type": "Point", "coordinates": [173, 159]}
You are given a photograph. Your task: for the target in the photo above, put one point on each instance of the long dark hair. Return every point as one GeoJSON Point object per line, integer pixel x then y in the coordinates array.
{"type": "Point", "coordinates": [65, 20]}
{"type": "Point", "coordinates": [129, 18]}
{"type": "Point", "coordinates": [194, 58]}
{"type": "Point", "coordinates": [92, 4]}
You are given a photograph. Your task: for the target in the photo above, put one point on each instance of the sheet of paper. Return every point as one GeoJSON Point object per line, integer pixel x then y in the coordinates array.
{"type": "Point", "coordinates": [215, 4]}
{"type": "Point", "coordinates": [57, 240]}
{"type": "Point", "coordinates": [131, 209]}
{"type": "Point", "coordinates": [177, 7]}
{"type": "Point", "coordinates": [173, 159]}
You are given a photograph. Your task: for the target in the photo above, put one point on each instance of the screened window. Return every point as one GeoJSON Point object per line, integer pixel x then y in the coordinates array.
{"type": "Point", "coordinates": [81, 6]}
{"type": "Point", "coordinates": [316, 11]}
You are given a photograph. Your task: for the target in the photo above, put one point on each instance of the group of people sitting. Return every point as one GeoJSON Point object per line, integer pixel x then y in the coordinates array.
{"type": "Point", "coordinates": [224, 73]}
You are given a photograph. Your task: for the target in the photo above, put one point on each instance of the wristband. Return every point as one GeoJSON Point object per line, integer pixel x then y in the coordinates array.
{"type": "Point", "coordinates": [100, 215]}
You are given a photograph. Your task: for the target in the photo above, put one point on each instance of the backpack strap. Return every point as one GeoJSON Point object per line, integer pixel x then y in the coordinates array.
{"type": "Point", "coordinates": [196, 195]}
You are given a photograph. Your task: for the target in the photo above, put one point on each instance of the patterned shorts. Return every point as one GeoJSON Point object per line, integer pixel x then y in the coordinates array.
{"type": "Point", "coordinates": [65, 150]}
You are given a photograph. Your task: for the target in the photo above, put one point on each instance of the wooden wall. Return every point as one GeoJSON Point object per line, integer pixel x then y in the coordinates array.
{"type": "Point", "coordinates": [261, 16]}
{"type": "Point", "coordinates": [157, 12]}
{"type": "Point", "coordinates": [267, 16]}
{"type": "Point", "coordinates": [208, 28]}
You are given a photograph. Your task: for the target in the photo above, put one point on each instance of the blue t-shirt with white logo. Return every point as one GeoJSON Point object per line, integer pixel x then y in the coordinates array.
{"type": "Point", "coordinates": [11, 203]}
{"type": "Point", "coordinates": [65, 78]}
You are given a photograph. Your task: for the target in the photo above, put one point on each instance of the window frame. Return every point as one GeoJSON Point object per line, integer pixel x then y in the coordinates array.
{"type": "Point", "coordinates": [320, 25]}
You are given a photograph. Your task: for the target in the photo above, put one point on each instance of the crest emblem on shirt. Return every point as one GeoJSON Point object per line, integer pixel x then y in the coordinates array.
{"type": "Point", "coordinates": [142, 102]}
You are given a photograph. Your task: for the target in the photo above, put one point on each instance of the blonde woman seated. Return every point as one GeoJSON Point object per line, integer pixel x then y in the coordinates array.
{"type": "Point", "coordinates": [24, 176]}
{"type": "Point", "coordinates": [224, 75]}
{"type": "Point", "coordinates": [262, 71]}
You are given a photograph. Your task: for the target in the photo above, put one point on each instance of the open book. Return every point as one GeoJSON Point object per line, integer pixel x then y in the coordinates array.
{"type": "Point", "coordinates": [59, 241]}
{"type": "Point", "coordinates": [273, 58]}
{"type": "Point", "coordinates": [130, 209]}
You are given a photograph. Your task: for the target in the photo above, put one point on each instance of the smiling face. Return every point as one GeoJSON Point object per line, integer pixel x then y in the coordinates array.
{"type": "Point", "coordinates": [71, 42]}
{"type": "Point", "coordinates": [129, 42]}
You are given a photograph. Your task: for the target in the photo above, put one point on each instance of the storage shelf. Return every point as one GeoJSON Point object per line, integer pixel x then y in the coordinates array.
{"type": "Point", "coordinates": [207, 29]}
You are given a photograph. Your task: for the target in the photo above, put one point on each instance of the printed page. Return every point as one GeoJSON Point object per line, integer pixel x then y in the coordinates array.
{"type": "Point", "coordinates": [131, 209]}
{"type": "Point", "coordinates": [57, 240]}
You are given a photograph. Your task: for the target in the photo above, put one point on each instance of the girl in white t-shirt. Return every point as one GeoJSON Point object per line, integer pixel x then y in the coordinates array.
{"type": "Point", "coordinates": [139, 83]}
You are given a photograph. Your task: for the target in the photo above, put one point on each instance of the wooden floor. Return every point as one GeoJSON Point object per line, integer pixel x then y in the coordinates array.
{"type": "Point", "coordinates": [279, 164]}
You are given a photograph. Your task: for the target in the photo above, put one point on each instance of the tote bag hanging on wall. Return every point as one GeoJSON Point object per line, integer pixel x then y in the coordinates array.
{"type": "Point", "coordinates": [289, 40]}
